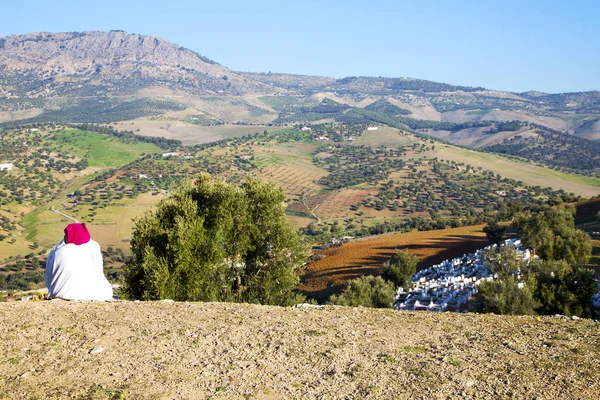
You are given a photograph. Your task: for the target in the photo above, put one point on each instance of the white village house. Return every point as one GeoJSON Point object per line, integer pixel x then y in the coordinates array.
{"type": "Point", "coordinates": [6, 167]}
{"type": "Point", "coordinates": [451, 284]}
{"type": "Point", "coordinates": [448, 286]}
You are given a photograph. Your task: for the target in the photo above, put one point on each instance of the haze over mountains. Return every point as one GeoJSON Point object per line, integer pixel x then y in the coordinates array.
{"type": "Point", "coordinates": [107, 77]}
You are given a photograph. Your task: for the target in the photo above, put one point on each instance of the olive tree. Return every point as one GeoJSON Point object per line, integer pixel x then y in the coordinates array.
{"type": "Point", "coordinates": [401, 267]}
{"type": "Point", "coordinates": [550, 231]}
{"type": "Point", "coordinates": [216, 241]}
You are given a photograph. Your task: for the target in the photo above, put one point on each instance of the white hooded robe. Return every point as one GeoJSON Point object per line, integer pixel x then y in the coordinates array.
{"type": "Point", "coordinates": [75, 272]}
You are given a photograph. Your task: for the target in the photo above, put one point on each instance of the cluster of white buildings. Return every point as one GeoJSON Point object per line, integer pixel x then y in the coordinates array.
{"type": "Point", "coordinates": [6, 167]}
{"type": "Point", "coordinates": [450, 285]}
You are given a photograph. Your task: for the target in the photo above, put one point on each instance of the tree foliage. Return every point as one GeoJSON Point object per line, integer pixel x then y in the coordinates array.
{"type": "Point", "coordinates": [504, 261]}
{"type": "Point", "coordinates": [401, 267]}
{"type": "Point", "coordinates": [504, 296]}
{"type": "Point", "coordinates": [366, 291]}
{"type": "Point", "coordinates": [550, 231]}
{"type": "Point", "coordinates": [216, 241]}
{"type": "Point", "coordinates": [494, 231]}
{"type": "Point", "coordinates": [563, 288]}
{"type": "Point", "coordinates": [556, 283]}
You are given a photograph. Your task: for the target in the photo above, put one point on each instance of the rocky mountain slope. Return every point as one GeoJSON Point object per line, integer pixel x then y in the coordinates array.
{"type": "Point", "coordinates": [57, 349]}
{"type": "Point", "coordinates": [47, 64]}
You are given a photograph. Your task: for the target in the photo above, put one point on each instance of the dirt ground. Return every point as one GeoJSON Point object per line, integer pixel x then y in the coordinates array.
{"type": "Point", "coordinates": [166, 350]}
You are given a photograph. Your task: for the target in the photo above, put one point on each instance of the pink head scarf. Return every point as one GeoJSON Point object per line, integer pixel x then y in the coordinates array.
{"type": "Point", "coordinates": [77, 234]}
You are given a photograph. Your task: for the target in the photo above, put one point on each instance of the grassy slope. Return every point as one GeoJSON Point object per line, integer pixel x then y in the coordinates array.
{"type": "Point", "coordinates": [525, 171]}
{"type": "Point", "coordinates": [522, 171]}
{"type": "Point", "coordinates": [102, 150]}
{"type": "Point", "coordinates": [189, 134]}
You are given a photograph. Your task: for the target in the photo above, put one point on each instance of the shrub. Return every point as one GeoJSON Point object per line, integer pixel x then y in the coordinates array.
{"type": "Point", "coordinates": [505, 297]}
{"type": "Point", "coordinates": [366, 291]}
{"type": "Point", "coordinates": [401, 267]}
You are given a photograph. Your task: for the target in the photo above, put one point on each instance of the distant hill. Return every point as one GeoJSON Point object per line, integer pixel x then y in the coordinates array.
{"type": "Point", "coordinates": [165, 89]}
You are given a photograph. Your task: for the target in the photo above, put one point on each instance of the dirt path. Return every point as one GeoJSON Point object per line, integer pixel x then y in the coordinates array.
{"type": "Point", "coordinates": [53, 208]}
{"type": "Point", "coordinates": [159, 350]}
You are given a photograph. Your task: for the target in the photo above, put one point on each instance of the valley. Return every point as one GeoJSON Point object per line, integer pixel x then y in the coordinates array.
{"type": "Point", "coordinates": [340, 180]}
{"type": "Point", "coordinates": [102, 135]}
{"type": "Point", "coordinates": [299, 200]}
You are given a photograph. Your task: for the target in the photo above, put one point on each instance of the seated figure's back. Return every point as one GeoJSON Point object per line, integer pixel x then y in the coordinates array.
{"type": "Point", "coordinates": [74, 269]}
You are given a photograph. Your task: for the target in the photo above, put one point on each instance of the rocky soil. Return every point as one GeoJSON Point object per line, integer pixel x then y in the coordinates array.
{"type": "Point", "coordinates": [139, 350]}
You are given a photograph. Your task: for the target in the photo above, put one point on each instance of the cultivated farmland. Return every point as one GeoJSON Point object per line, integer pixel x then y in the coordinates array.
{"type": "Point", "coordinates": [339, 179]}
{"type": "Point", "coordinates": [366, 256]}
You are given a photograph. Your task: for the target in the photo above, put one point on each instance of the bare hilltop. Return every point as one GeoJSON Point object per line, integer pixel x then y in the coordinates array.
{"type": "Point", "coordinates": [165, 350]}
{"type": "Point", "coordinates": [44, 65]}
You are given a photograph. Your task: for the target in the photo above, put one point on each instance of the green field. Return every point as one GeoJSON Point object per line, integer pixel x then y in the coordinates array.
{"type": "Point", "coordinates": [100, 150]}
{"type": "Point", "coordinates": [525, 171]}
{"type": "Point", "coordinates": [477, 112]}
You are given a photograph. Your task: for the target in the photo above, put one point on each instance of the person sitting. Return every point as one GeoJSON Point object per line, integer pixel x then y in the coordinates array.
{"type": "Point", "coordinates": [74, 269]}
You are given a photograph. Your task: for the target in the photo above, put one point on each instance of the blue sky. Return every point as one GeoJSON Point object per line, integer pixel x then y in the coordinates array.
{"type": "Point", "coordinates": [551, 46]}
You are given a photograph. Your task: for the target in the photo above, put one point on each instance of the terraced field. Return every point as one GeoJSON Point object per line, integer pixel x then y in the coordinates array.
{"type": "Point", "coordinates": [338, 205]}
{"type": "Point", "coordinates": [297, 182]}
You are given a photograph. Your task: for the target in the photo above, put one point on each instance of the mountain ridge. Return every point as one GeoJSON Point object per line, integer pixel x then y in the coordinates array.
{"type": "Point", "coordinates": [106, 77]}
{"type": "Point", "coordinates": [96, 57]}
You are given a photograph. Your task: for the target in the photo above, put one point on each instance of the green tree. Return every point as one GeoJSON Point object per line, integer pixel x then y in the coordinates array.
{"type": "Point", "coordinates": [216, 241]}
{"type": "Point", "coordinates": [504, 261]}
{"type": "Point", "coordinates": [551, 232]}
{"type": "Point", "coordinates": [401, 267]}
{"type": "Point", "coordinates": [494, 231]}
{"type": "Point", "coordinates": [366, 291]}
{"type": "Point", "coordinates": [555, 285]}
{"type": "Point", "coordinates": [504, 296]}
{"type": "Point", "coordinates": [563, 288]}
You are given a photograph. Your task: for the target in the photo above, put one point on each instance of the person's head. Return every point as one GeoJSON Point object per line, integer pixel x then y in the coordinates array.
{"type": "Point", "coordinates": [77, 234]}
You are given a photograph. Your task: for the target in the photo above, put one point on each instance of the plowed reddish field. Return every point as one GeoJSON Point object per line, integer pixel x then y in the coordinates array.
{"type": "Point", "coordinates": [365, 257]}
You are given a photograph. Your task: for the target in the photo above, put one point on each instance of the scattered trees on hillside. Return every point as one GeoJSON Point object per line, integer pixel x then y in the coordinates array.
{"type": "Point", "coordinates": [559, 149]}
{"type": "Point", "coordinates": [216, 241]}
{"type": "Point", "coordinates": [161, 142]}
